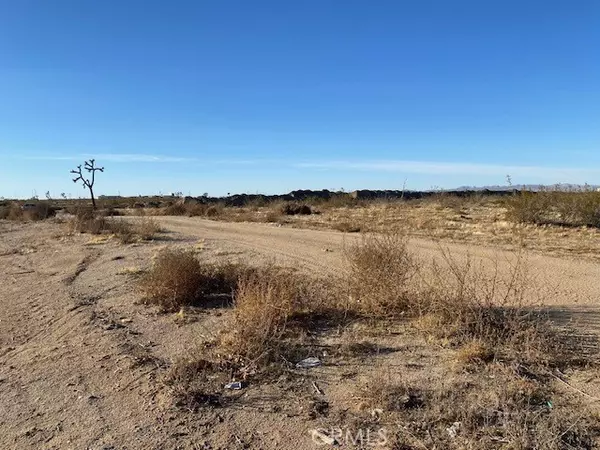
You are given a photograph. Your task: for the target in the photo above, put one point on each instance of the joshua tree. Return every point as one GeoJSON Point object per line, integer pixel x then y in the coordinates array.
{"type": "Point", "coordinates": [87, 183]}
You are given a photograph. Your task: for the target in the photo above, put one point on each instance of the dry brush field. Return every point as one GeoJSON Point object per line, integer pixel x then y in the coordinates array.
{"type": "Point", "coordinates": [431, 325]}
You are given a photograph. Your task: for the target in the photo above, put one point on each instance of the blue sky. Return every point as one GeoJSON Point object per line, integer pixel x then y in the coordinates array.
{"type": "Point", "coordinates": [268, 96]}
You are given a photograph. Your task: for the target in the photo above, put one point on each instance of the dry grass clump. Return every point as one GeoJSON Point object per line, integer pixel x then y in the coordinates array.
{"type": "Point", "coordinates": [274, 309]}
{"type": "Point", "coordinates": [176, 209]}
{"type": "Point", "coordinates": [146, 228]}
{"type": "Point", "coordinates": [294, 208]}
{"type": "Point", "coordinates": [387, 391]}
{"type": "Point", "coordinates": [475, 352]}
{"type": "Point", "coordinates": [478, 307]}
{"type": "Point", "coordinates": [380, 272]}
{"type": "Point", "coordinates": [570, 208]}
{"type": "Point", "coordinates": [487, 312]}
{"type": "Point", "coordinates": [496, 408]}
{"type": "Point", "coordinates": [347, 227]}
{"type": "Point", "coordinates": [174, 280]}
{"type": "Point", "coordinates": [264, 302]}
{"type": "Point", "coordinates": [87, 221]}
{"type": "Point", "coordinates": [337, 200]}
{"type": "Point", "coordinates": [272, 217]}
{"type": "Point", "coordinates": [178, 279]}
{"type": "Point", "coordinates": [503, 394]}
{"type": "Point", "coordinates": [11, 211]}
{"type": "Point", "coordinates": [193, 210]}
{"type": "Point", "coordinates": [38, 211]}
{"type": "Point", "coordinates": [84, 220]}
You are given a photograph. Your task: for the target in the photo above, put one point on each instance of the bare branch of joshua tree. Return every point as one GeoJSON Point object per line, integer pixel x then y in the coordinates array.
{"type": "Point", "coordinates": [90, 166]}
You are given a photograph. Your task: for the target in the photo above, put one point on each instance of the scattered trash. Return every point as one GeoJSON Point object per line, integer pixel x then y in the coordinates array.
{"type": "Point", "coordinates": [319, 437]}
{"type": "Point", "coordinates": [318, 390]}
{"type": "Point", "coordinates": [309, 363]}
{"type": "Point", "coordinates": [113, 326]}
{"type": "Point", "coordinates": [235, 385]}
{"type": "Point", "coordinates": [453, 430]}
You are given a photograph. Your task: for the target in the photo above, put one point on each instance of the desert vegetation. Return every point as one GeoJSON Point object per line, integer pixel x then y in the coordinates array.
{"type": "Point", "coordinates": [496, 373]}
{"type": "Point", "coordinates": [88, 183]}
{"type": "Point", "coordinates": [573, 208]}
{"type": "Point", "coordinates": [85, 220]}
{"type": "Point", "coordinates": [481, 365]}
{"type": "Point", "coordinates": [27, 211]}
{"type": "Point", "coordinates": [451, 351]}
{"type": "Point", "coordinates": [554, 220]}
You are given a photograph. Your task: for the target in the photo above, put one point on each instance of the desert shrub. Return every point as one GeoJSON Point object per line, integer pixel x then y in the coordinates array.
{"type": "Point", "coordinates": [529, 207]}
{"type": "Point", "coordinates": [214, 211]}
{"type": "Point", "coordinates": [454, 300]}
{"type": "Point", "coordinates": [146, 228]}
{"type": "Point", "coordinates": [256, 203]}
{"type": "Point", "coordinates": [86, 220]}
{"type": "Point", "coordinates": [11, 211]}
{"type": "Point", "coordinates": [178, 279]}
{"type": "Point", "coordinates": [272, 307]}
{"type": "Point", "coordinates": [193, 210]}
{"type": "Point", "coordinates": [336, 200]}
{"type": "Point", "coordinates": [264, 302]}
{"type": "Point", "coordinates": [174, 280]}
{"type": "Point", "coordinates": [379, 275]}
{"type": "Point", "coordinates": [126, 232]}
{"type": "Point", "coordinates": [497, 408]}
{"type": "Point", "coordinates": [480, 306]}
{"type": "Point", "coordinates": [176, 209]}
{"type": "Point", "coordinates": [293, 208]}
{"type": "Point", "coordinates": [39, 211]}
{"type": "Point", "coordinates": [111, 211]}
{"type": "Point", "coordinates": [273, 217]}
{"type": "Point", "coordinates": [347, 227]}
{"type": "Point", "coordinates": [571, 208]}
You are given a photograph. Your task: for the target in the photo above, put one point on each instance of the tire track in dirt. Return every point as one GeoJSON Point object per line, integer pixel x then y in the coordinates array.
{"type": "Point", "coordinates": [63, 376]}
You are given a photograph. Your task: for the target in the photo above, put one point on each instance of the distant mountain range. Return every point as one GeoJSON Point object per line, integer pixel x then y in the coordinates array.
{"type": "Point", "coordinates": [529, 187]}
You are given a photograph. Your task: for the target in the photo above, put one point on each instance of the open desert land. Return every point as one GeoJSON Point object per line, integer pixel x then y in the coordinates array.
{"type": "Point", "coordinates": [426, 337]}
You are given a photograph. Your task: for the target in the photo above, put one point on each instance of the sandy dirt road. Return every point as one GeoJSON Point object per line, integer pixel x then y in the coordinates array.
{"type": "Point", "coordinates": [567, 282]}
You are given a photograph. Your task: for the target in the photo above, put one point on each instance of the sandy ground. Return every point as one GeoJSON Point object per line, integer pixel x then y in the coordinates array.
{"type": "Point", "coordinates": [560, 282]}
{"type": "Point", "coordinates": [81, 361]}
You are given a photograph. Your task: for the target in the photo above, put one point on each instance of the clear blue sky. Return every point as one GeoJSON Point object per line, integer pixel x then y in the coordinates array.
{"type": "Point", "coordinates": [268, 96]}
